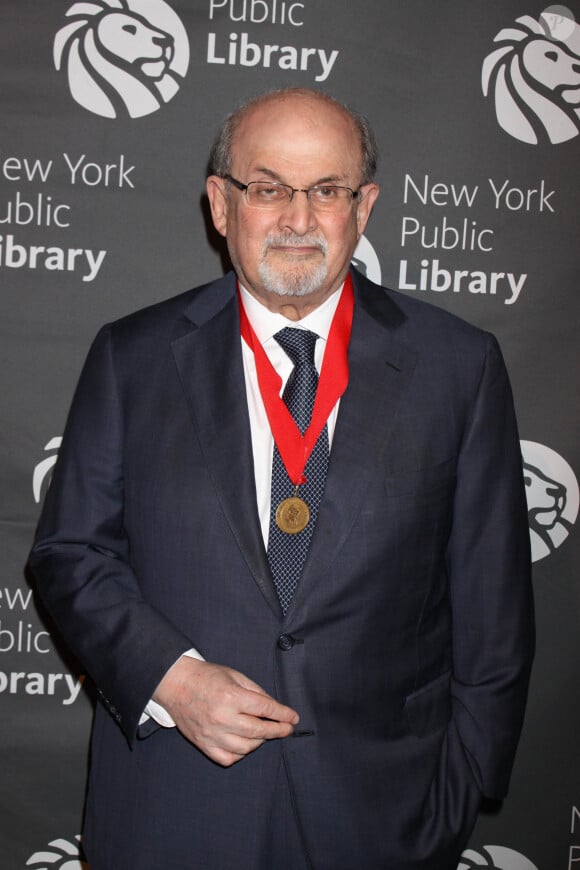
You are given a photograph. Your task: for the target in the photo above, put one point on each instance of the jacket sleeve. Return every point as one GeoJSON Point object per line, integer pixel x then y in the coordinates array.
{"type": "Point", "coordinates": [81, 557]}
{"type": "Point", "coordinates": [490, 583]}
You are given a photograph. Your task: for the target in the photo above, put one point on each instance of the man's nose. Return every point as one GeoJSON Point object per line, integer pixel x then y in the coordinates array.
{"type": "Point", "coordinates": [298, 214]}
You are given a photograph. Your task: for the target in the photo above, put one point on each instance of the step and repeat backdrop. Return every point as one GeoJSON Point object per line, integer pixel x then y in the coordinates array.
{"type": "Point", "coordinates": [108, 110]}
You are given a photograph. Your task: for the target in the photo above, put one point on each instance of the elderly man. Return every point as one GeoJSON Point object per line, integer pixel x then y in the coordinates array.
{"type": "Point", "coordinates": [287, 537]}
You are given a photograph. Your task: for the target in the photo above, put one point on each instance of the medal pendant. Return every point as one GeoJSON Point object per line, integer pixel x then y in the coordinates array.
{"type": "Point", "coordinates": [292, 515]}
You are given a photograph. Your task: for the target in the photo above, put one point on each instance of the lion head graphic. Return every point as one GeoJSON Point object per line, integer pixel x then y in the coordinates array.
{"type": "Point", "coordinates": [535, 79]}
{"type": "Point", "coordinates": [552, 495]}
{"type": "Point", "coordinates": [61, 855]}
{"type": "Point", "coordinates": [365, 259]}
{"type": "Point", "coordinates": [494, 858]}
{"type": "Point", "coordinates": [42, 472]}
{"type": "Point", "coordinates": [118, 62]}
{"type": "Point", "coordinates": [546, 503]}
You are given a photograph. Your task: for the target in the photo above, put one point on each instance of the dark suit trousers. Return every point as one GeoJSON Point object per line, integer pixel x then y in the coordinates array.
{"type": "Point", "coordinates": [284, 849]}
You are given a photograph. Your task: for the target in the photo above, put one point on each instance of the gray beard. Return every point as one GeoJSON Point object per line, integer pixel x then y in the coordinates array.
{"type": "Point", "coordinates": [304, 280]}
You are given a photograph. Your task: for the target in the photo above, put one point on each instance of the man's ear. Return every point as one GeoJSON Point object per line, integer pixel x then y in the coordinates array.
{"type": "Point", "coordinates": [218, 201]}
{"type": "Point", "coordinates": [365, 206]}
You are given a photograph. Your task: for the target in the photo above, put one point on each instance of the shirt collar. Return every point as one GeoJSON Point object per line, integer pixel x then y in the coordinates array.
{"type": "Point", "coordinates": [266, 323]}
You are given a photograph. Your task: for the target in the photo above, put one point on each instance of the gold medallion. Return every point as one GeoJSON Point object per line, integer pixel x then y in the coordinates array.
{"type": "Point", "coordinates": [292, 515]}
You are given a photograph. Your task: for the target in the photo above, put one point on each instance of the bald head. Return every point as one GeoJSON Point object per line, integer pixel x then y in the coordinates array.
{"type": "Point", "coordinates": [221, 155]}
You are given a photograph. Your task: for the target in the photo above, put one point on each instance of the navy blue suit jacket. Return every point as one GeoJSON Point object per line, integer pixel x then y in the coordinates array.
{"type": "Point", "coordinates": [411, 628]}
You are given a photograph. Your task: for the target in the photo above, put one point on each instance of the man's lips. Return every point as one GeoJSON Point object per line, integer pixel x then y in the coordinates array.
{"type": "Point", "coordinates": [298, 250]}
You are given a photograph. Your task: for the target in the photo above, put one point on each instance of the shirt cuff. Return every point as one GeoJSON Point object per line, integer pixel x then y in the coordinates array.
{"type": "Point", "coordinates": [155, 711]}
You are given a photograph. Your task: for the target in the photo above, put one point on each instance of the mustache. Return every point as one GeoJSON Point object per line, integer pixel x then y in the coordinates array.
{"type": "Point", "coordinates": [294, 240]}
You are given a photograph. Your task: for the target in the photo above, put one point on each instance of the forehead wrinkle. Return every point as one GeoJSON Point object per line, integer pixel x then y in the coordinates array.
{"type": "Point", "coordinates": [335, 178]}
{"type": "Point", "coordinates": [292, 156]}
{"type": "Point", "coordinates": [263, 170]}
{"type": "Point", "coordinates": [309, 110]}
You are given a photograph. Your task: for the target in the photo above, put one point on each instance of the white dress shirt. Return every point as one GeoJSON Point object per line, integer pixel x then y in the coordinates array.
{"type": "Point", "coordinates": [266, 324]}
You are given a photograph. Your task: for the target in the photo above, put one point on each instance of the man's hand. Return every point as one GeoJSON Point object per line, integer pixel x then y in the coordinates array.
{"type": "Point", "coordinates": [221, 711]}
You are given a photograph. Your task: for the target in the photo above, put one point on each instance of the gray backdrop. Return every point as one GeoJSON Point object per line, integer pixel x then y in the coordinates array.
{"type": "Point", "coordinates": [104, 141]}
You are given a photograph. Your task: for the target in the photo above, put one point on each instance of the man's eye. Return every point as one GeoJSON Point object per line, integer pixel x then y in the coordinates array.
{"type": "Point", "coordinates": [325, 192]}
{"type": "Point", "coordinates": [270, 192]}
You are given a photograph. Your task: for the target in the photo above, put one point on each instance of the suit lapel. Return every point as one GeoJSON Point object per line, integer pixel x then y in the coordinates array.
{"type": "Point", "coordinates": [210, 366]}
{"type": "Point", "coordinates": [380, 370]}
{"type": "Point", "coordinates": [209, 362]}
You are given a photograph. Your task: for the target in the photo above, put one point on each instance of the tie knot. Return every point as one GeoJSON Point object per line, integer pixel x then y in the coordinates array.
{"type": "Point", "coordinates": [299, 344]}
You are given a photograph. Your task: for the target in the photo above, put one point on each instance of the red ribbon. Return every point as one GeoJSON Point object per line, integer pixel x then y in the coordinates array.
{"type": "Point", "coordinates": [294, 447]}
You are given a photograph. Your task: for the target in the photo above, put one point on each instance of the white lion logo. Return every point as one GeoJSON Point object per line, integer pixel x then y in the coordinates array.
{"type": "Point", "coordinates": [535, 76]}
{"type": "Point", "coordinates": [44, 467]}
{"type": "Point", "coordinates": [65, 852]}
{"type": "Point", "coordinates": [494, 858]}
{"type": "Point", "coordinates": [552, 495]}
{"type": "Point", "coordinates": [546, 502]}
{"type": "Point", "coordinates": [120, 61]}
{"type": "Point", "coordinates": [366, 261]}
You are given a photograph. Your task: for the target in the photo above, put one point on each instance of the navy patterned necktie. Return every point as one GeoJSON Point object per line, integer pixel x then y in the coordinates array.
{"type": "Point", "coordinates": [287, 552]}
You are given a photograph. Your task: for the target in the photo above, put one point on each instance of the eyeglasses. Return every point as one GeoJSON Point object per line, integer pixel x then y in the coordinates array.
{"type": "Point", "coordinates": [275, 195]}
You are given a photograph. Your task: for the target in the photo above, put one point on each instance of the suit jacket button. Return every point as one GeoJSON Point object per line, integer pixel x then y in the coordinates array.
{"type": "Point", "coordinates": [285, 642]}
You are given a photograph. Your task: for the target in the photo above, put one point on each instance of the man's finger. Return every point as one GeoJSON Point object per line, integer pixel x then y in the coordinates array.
{"type": "Point", "coordinates": [263, 706]}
